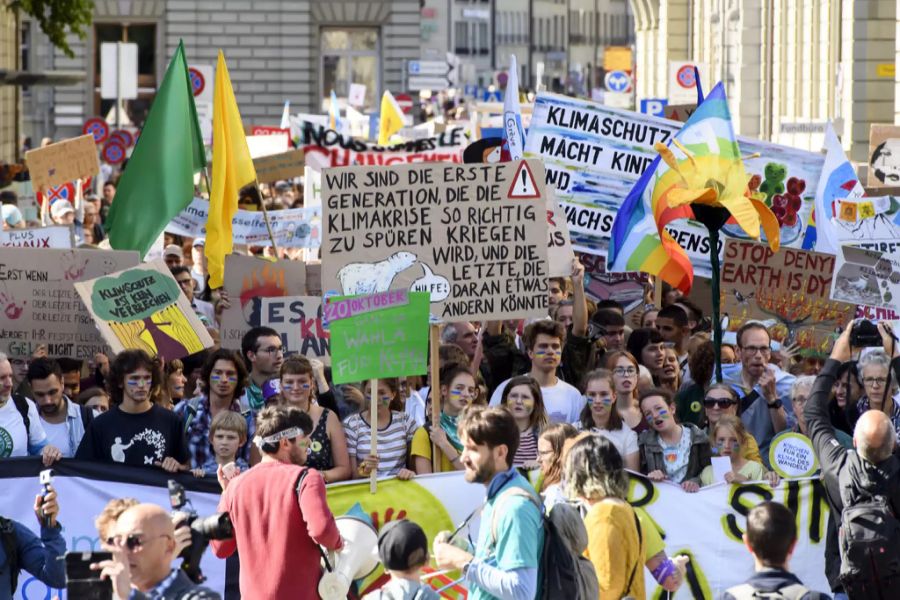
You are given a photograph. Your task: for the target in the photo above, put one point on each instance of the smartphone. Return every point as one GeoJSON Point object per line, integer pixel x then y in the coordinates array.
{"type": "Point", "coordinates": [81, 581]}
{"type": "Point", "coordinates": [46, 479]}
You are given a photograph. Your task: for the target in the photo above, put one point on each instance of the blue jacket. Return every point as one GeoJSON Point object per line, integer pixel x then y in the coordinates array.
{"type": "Point", "coordinates": [40, 557]}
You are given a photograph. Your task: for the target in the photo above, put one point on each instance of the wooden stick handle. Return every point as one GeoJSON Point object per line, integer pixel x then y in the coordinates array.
{"type": "Point", "coordinates": [435, 345]}
{"type": "Point", "coordinates": [373, 477]}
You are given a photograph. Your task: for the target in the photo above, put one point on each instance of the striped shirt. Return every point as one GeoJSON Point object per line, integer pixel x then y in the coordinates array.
{"type": "Point", "coordinates": [528, 450]}
{"type": "Point", "coordinates": [393, 441]}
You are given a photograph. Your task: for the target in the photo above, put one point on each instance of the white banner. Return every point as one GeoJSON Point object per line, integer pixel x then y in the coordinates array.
{"type": "Point", "coordinates": [54, 236]}
{"type": "Point", "coordinates": [292, 228]}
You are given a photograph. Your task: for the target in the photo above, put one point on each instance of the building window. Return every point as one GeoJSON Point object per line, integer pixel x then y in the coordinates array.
{"type": "Point", "coordinates": [144, 35]}
{"type": "Point", "coordinates": [350, 55]}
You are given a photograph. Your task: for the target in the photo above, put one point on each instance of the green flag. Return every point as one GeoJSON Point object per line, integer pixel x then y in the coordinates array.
{"type": "Point", "coordinates": [158, 182]}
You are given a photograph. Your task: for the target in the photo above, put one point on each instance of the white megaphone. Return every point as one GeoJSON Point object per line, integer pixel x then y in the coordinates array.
{"type": "Point", "coordinates": [357, 559]}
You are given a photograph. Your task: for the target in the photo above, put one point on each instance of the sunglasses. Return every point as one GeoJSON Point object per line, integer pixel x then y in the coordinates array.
{"type": "Point", "coordinates": [718, 402]}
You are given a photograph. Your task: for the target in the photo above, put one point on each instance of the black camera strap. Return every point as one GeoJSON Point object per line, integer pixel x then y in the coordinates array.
{"type": "Point", "coordinates": [322, 552]}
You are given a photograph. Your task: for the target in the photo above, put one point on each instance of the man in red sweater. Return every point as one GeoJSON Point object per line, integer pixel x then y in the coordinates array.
{"type": "Point", "coordinates": [277, 525]}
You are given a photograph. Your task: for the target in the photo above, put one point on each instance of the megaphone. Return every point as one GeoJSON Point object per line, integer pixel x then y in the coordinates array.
{"type": "Point", "coordinates": [356, 560]}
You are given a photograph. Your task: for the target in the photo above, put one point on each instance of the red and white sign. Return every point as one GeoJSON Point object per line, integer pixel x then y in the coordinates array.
{"type": "Point", "coordinates": [524, 185]}
{"type": "Point", "coordinates": [113, 153]}
{"type": "Point", "coordinates": [123, 136]}
{"type": "Point", "coordinates": [201, 78]}
{"type": "Point", "coordinates": [98, 128]}
{"type": "Point", "coordinates": [261, 130]}
{"type": "Point", "coordinates": [683, 82]}
{"type": "Point", "coordinates": [198, 81]}
{"type": "Point", "coordinates": [405, 102]}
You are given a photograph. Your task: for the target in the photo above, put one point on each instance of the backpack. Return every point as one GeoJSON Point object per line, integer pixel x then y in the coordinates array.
{"type": "Point", "coordinates": [10, 544]}
{"type": "Point", "coordinates": [745, 591]}
{"type": "Point", "coordinates": [22, 406]}
{"type": "Point", "coordinates": [869, 543]}
{"type": "Point", "coordinates": [563, 573]}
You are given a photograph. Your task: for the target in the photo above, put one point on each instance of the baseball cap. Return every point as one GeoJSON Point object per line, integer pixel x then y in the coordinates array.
{"type": "Point", "coordinates": [402, 545]}
{"type": "Point", "coordinates": [61, 207]}
{"type": "Point", "coordinates": [199, 242]}
{"type": "Point", "coordinates": [173, 250]}
{"type": "Point", "coordinates": [11, 214]}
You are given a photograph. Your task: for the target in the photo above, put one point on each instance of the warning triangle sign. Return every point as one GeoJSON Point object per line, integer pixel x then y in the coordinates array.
{"type": "Point", "coordinates": [524, 186]}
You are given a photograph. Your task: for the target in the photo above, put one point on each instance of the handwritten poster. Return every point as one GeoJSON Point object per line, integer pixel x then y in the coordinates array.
{"type": "Point", "coordinates": [298, 320]}
{"type": "Point", "coordinates": [63, 162]}
{"type": "Point", "coordinates": [54, 236]}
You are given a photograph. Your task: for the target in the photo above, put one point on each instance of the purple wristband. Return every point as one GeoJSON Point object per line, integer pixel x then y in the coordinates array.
{"type": "Point", "coordinates": [664, 570]}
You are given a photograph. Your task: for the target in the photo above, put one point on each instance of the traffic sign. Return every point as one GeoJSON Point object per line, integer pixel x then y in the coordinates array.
{"type": "Point", "coordinates": [198, 81]}
{"type": "Point", "coordinates": [201, 78]}
{"type": "Point", "coordinates": [686, 77]}
{"type": "Point", "coordinates": [118, 61]}
{"type": "Point", "coordinates": [113, 153]}
{"type": "Point", "coordinates": [123, 136]}
{"type": "Point", "coordinates": [618, 81]}
{"type": "Point", "coordinates": [65, 191]}
{"type": "Point", "coordinates": [489, 96]}
{"type": "Point", "coordinates": [433, 74]}
{"type": "Point", "coordinates": [98, 128]}
{"type": "Point", "coordinates": [405, 102]}
{"type": "Point", "coordinates": [654, 106]}
{"type": "Point", "coordinates": [427, 82]}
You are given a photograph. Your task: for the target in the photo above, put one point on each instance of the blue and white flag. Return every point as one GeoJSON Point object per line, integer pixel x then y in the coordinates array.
{"type": "Point", "coordinates": [513, 132]}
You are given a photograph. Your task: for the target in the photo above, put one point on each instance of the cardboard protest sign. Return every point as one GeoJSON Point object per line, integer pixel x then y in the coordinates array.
{"type": "Point", "coordinates": [328, 148]}
{"type": "Point", "coordinates": [379, 335]}
{"type": "Point", "coordinates": [39, 304]}
{"type": "Point", "coordinates": [884, 155]}
{"type": "Point", "coordinates": [625, 288]}
{"type": "Point", "coordinates": [63, 162]}
{"type": "Point", "coordinates": [267, 145]}
{"type": "Point", "coordinates": [473, 235]}
{"type": "Point", "coordinates": [867, 277]}
{"type": "Point", "coordinates": [143, 308]}
{"type": "Point", "coordinates": [285, 165]}
{"type": "Point", "coordinates": [559, 247]}
{"type": "Point", "coordinates": [55, 236]}
{"type": "Point", "coordinates": [679, 112]}
{"type": "Point", "coordinates": [314, 278]}
{"type": "Point", "coordinates": [247, 281]}
{"type": "Point", "coordinates": [298, 320]}
{"type": "Point", "coordinates": [792, 455]}
{"type": "Point", "coordinates": [594, 155]}
{"type": "Point", "coordinates": [292, 228]}
{"type": "Point", "coordinates": [789, 291]}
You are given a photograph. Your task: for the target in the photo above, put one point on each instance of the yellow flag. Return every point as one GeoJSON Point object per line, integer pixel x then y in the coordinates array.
{"type": "Point", "coordinates": [232, 169]}
{"type": "Point", "coordinates": [391, 119]}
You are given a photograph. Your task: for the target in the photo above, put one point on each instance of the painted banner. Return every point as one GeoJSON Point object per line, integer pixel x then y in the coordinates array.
{"type": "Point", "coordinates": [298, 320]}
{"type": "Point", "coordinates": [379, 335]}
{"type": "Point", "coordinates": [329, 148]}
{"type": "Point", "coordinates": [473, 235]}
{"type": "Point", "coordinates": [867, 277]}
{"type": "Point", "coordinates": [884, 155]}
{"type": "Point", "coordinates": [706, 525]}
{"type": "Point", "coordinates": [247, 281]}
{"type": "Point", "coordinates": [789, 291]}
{"type": "Point", "coordinates": [625, 288]}
{"type": "Point", "coordinates": [39, 303]}
{"type": "Point", "coordinates": [292, 228]}
{"type": "Point", "coordinates": [144, 309]}
{"type": "Point", "coordinates": [594, 154]}
{"type": "Point", "coordinates": [63, 162]}
{"type": "Point", "coordinates": [559, 246]}
{"type": "Point", "coordinates": [54, 236]}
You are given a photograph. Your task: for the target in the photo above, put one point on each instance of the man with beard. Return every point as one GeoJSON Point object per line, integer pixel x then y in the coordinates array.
{"type": "Point", "coordinates": [263, 351]}
{"type": "Point", "coordinates": [509, 545]}
{"type": "Point", "coordinates": [21, 432]}
{"type": "Point", "coordinates": [278, 509]}
{"type": "Point", "coordinates": [64, 421]}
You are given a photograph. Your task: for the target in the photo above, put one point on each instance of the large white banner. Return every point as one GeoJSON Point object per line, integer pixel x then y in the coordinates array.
{"type": "Point", "coordinates": [292, 228]}
{"type": "Point", "coordinates": [707, 525]}
{"type": "Point", "coordinates": [54, 236]}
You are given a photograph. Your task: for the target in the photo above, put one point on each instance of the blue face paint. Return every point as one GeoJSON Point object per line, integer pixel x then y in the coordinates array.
{"type": "Point", "coordinates": [139, 381]}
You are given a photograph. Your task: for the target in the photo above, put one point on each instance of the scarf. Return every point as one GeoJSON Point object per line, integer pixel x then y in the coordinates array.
{"type": "Point", "coordinates": [448, 424]}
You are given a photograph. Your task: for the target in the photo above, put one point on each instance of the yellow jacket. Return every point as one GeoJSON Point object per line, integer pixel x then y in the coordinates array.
{"type": "Point", "coordinates": [615, 550]}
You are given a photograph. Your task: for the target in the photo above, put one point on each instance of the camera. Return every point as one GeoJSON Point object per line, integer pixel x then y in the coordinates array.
{"type": "Point", "coordinates": [865, 334]}
{"type": "Point", "coordinates": [203, 529]}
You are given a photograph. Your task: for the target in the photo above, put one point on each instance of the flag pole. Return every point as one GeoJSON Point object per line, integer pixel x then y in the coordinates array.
{"type": "Point", "coordinates": [262, 205]}
{"type": "Point", "coordinates": [435, 369]}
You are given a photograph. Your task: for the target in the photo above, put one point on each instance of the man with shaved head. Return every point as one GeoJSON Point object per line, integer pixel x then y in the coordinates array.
{"type": "Point", "coordinates": [142, 562]}
{"type": "Point", "coordinates": [858, 481]}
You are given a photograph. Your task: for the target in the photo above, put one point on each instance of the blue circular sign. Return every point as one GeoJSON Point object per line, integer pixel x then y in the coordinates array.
{"type": "Point", "coordinates": [618, 81]}
{"type": "Point", "coordinates": [113, 153]}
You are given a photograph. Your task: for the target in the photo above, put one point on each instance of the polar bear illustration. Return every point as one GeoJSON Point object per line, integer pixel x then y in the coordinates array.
{"type": "Point", "coordinates": [372, 278]}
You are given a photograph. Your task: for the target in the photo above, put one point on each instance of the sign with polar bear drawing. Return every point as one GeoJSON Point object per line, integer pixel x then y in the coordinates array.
{"type": "Point", "coordinates": [474, 236]}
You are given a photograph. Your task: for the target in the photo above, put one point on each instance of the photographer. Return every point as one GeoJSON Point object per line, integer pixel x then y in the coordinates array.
{"type": "Point", "coordinates": [142, 561]}
{"type": "Point", "coordinates": [278, 509]}
{"type": "Point", "coordinates": [863, 486]}
{"type": "Point", "coordinates": [21, 549]}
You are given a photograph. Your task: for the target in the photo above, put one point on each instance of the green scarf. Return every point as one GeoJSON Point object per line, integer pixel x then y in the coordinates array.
{"type": "Point", "coordinates": [448, 424]}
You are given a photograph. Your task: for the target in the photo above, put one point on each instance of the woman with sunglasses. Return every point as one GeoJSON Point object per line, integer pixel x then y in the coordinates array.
{"type": "Point", "coordinates": [395, 435]}
{"type": "Point", "coordinates": [721, 400]}
{"type": "Point", "coordinates": [600, 416]}
{"type": "Point", "coordinates": [625, 369]}
{"type": "Point", "coordinates": [458, 390]}
{"type": "Point", "coordinates": [327, 442]}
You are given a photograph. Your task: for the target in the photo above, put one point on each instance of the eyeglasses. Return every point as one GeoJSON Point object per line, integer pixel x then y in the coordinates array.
{"type": "Point", "coordinates": [718, 402]}
{"type": "Point", "coordinates": [625, 371]}
{"type": "Point", "coordinates": [133, 541]}
{"type": "Point", "coordinates": [875, 381]}
{"type": "Point", "coordinates": [751, 350]}
{"type": "Point", "coordinates": [272, 350]}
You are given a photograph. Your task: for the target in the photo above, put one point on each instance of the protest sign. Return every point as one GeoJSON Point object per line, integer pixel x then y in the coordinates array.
{"type": "Point", "coordinates": [789, 291]}
{"type": "Point", "coordinates": [312, 187]}
{"type": "Point", "coordinates": [328, 148]}
{"type": "Point", "coordinates": [39, 303]}
{"type": "Point", "coordinates": [595, 154]}
{"type": "Point", "coordinates": [792, 455]}
{"type": "Point", "coordinates": [266, 145]}
{"type": "Point", "coordinates": [63, 162]}
{"type": "Point", "coordinates": [472, 235]}
{"type": "Point", "coordinates": [298, 320]}
{"type": "Point", "coordinates": [143, 309]}
{"type": "Point", "coordinates": [378, 335]}
{"type": "Point", "coordinates": [247, 281]}
{"type": "Point", "coordinates": [884, 155]}
{"type": "Point", "coordinates": [868, 222]}
{"type": "Point", "coordinates": [679, 112]}
{"type": "Point", "coordinates": [559, 247]}
{"type": "Point", "coordinates": [285, 165]}
{"type": "Point", "coordinates": [625, 288]}
{"type": "Point", "coordinates": [867, 277]}
{"type": "Point", "coordinates": [55, 236]}
{"type": "Point", "coordinates": [292, 228]}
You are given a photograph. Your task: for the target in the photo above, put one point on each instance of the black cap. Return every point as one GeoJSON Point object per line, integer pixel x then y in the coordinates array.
{"type": "Point", "coordinates": [402, 545]}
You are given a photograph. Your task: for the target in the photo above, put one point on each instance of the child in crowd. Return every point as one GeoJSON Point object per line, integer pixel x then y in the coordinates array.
{"type": "Point", "coordinates": [403, 550]}
{"type": "Point", "coordinates": [227, 433]}
{"type": "Point", "coordinates": [729, 438]}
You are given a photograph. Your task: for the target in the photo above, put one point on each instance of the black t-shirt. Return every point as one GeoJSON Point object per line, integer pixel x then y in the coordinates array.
{"type": "Point", "coordinates": [134, 439]}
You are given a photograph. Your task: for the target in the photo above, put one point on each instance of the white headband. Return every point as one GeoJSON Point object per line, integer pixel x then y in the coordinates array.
{"type": "Point", "coordinates": [276, 437]}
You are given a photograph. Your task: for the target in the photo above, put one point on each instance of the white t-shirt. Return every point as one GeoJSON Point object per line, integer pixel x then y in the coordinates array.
{"type": "Point", "coordinates": [562, 401]}
{"type": "Point", "coordinates": [625, 439]}
{"type": "Point", "coordinates": [415, 407]}
{"type": "Point", "coordinates": [12, 430]}
{"type": "Point", "coordinates": [58, 436]}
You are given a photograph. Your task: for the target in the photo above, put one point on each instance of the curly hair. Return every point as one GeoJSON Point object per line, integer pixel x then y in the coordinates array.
{"type": "Point", "coordinates": [702, 362]}
{"type": "Point", "coordinates": [127, 362]}
{"type": "Point", "coordinates": [594, 470]}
